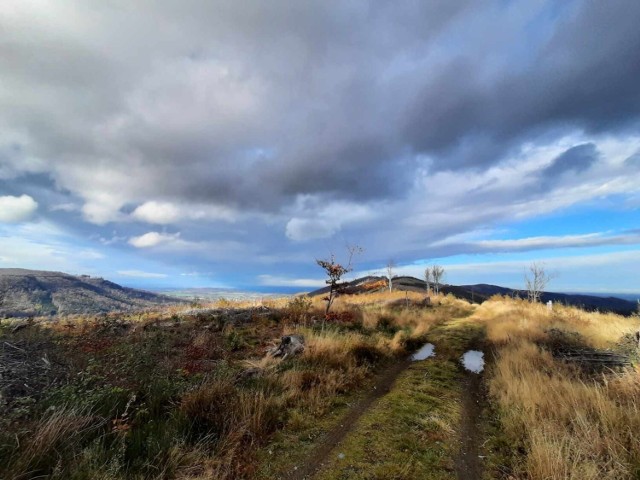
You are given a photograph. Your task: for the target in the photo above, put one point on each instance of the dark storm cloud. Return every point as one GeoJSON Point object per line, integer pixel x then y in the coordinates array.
{"type": "Point", "coordinates": [182, 92]}
{"type": "Point", "coordinates": [584, 76]}
{"type": "Point", "coordinates": [575, 159]}
{"type": "Point", "coordinates": [277, 123]}
{"type": "Point", "coordinates": [342, 94]}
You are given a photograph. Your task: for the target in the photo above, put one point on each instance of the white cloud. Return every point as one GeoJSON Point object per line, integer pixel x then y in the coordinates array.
{"type": "Point", "coordinates": [302, 229]}
{"type": "Point", "coordinates": [276, 281]}
{"type": "Point", "coordinates": [154, 239]}
{"type": "Point", "coordinates": [164, 213]}
{"type": "Point", "coordinates": [17, 209]}
{"type": "Point", "coordinates": [591, 239]}
{"type": "Point", "coordinates": [541, 242]}
{"type": "Point", "coordinates": [317, 220]}
{"type": "Point", "coordinates": [101, 213]}
{"type": "Point", "coordinates": [157, 212]}
{"type": "Point", "coordinates": [141, 274]}
{"type": "Point", "coordinates": [631, 258]}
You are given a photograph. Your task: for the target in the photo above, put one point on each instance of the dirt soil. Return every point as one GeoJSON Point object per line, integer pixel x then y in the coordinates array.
{"type": "Point", "coordinates": [468, 462]}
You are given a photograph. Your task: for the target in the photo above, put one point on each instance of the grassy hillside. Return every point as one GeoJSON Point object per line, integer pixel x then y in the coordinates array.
{"type": "Point", "coordinates": [482, 292]}
{"type": "Point", "coordinates": [26, 293]}
{"type": "Point", "coordinates": [189, 393]}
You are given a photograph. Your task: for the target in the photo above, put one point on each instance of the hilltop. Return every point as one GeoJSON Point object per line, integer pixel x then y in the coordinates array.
{"type": "Point", "coordinates": [34, 292]}
{"type": "Point", "coordinates": [383, 388]}
{"type": "Point", "coordinates": [479, 293]}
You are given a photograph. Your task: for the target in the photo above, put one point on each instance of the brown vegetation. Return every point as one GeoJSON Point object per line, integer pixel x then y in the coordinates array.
{"type": "Point", "coordinates": [187, 392]}
{"type": "Point", "coordinates": [190, 394]}
{"type": "Point", "coordinates": [561, 421]}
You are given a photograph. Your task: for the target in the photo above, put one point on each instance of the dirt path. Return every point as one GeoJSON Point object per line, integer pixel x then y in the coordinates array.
{"type": "Point", "coordinates": [465, 461]}
{"type": "Point", "coordinates": [382, 386]}
{"type": "Point", "coordinates": [468, 462]}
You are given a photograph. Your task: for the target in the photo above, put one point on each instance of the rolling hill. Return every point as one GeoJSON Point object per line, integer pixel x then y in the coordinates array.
{"type": "Point", "coordinates": [480, 292]}
{"type": "Point", "coordinates": [32, 293]}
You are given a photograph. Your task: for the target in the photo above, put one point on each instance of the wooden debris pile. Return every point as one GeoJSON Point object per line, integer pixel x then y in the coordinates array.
{"type": "Point", "coordinates": [594, 359]}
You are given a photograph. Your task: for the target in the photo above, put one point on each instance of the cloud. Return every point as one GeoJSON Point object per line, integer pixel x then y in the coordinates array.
{"type": "Point", "coordinates": [222, 109]}
{"type": "Point", "coordinates": [544, 242]}
{"type": "Point", "coordinates": [165, 213]}
{"type": "Point", "coordinates": [157, 212]}
{"type": "Point", "coordinates": [90, 254]}
{"type": "Point", "coordinates": [277, 281]}
{"type": "Point", "coordinates": [575, 159]}
{"type": "Point", "coordinates": [141, 274]}
{"type": "Point", "coordinates": [318, 218]}
{"type": "Point", "coordinates": [301, 229]}
{"type": "Point", "coordinates": [17, 209]}
{"type": "Point", "coordinates": [40, 247]}
{"type": "Point", "coordinates": [154, 239]}
{"type": "Point", "coordinates": [64, 207]}
{"type": "Point", "coordinates": [271, 134]}
{"type": "Point", "coordinates": [195, 274]}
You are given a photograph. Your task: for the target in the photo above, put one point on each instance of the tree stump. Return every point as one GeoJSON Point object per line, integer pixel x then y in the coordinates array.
{"type": "Point", "coordinates": [289, 345]}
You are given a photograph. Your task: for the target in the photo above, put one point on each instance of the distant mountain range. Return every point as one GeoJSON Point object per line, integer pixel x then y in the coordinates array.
{"type": "Point", "coordinates": [34, 293]}
{"type": "Point", "coordinates": [481, 292]}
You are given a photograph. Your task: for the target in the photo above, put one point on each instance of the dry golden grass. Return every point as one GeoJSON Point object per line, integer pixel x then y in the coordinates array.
{"type": "Point", "coordinates": [570, 425]}
{"type": "Point", "coordinates": [567, 424]}
{"type": "Point", "coordinates": [51, 441]}
{"type": "Point", "coordinates": [515, 319]}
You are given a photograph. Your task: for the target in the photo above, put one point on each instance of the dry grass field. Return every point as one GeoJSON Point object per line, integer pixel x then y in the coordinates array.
{"type": "Point", "coordinates": [188, 393]}
{"type": "Point", "coordinates": [564, 421]}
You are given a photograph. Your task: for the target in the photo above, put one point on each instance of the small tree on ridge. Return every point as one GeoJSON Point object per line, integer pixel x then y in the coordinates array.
{"type": "Point", "coordinates": [390, 267]}
{"type": "Point", "coordinates": [335, 271]}
{"type": "Point", "coordinates": [536, 281]}
{"type": "Point", "coordinates": [427, 278]}
{"type": "Point", "coordinates": [437, 274]}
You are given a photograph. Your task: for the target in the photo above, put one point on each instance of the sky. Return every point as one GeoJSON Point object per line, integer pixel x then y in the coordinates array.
{"type": "Point", "coordinates": [216, 143]}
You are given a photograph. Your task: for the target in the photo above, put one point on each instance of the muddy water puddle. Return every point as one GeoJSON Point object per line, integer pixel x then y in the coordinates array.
{"type": "Point", "coordinates": [426, 351]}
{"type": "Point", "coordinates": [473, 360]}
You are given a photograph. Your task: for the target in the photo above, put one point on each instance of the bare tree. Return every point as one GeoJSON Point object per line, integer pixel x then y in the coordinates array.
{"type": "Point", "coordinates": [536, 280]}
{"type": "Point", "coordinates": [391, 265]}
{"type": "Point", "coordinates": [437, 274]}
{"type": "Point", "coordinates": [427, 278]}
{"type": "Point", "coordinates": [335, 271]}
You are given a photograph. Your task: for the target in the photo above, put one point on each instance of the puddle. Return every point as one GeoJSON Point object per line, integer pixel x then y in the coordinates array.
{"type": "Point", "coordinates": [473, 360]}
{"type": "Point", "coordinates": [426, 351]}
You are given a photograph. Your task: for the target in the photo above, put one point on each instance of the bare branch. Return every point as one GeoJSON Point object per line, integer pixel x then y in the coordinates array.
{"type": "Point", "coordinates": [391, 265]}
{"type": "Point", "coordinates": [536, 280]}
{"type": "Point", "coordinates": [437, 274]}
{"type": "Point", "coordinates": [427, 278]}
